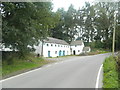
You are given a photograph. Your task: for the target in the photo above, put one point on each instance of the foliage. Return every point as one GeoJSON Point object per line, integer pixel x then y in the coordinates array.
{"type": "Point", "coordinates": [93, 24]}
{"type": "Point", "coordinates": [66, 28]}
{"type": "Point", "coordinates": [110, 79]}
{"type": "Point", "coordinates": [95, 51]}
{"type": "Point", "coordinates": [118, 65]}
{"type": "Point", "coordinates": [24, 23]}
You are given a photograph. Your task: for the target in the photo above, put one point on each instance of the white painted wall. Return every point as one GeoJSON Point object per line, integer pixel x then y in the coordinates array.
{"type": "Point", "coordinates": [77, 48]}
{"type": "Point", "coordinates": [53, 48]}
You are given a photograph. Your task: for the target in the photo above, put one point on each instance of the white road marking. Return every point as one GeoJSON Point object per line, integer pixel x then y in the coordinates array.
{"type": "Point", "coordinates": [98, 77]}
{"type": "Point", "coordinates": [19, 75]}
{"type": "Point", "coordinates": [23, 74]}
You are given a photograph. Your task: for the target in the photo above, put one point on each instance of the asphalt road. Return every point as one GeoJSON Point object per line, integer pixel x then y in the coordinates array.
{"type": "Point", "coordinates": [74, 72]}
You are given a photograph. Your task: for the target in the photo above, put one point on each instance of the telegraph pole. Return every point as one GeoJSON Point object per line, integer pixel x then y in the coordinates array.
{"type": "Point", "coordinates": [113, 44]}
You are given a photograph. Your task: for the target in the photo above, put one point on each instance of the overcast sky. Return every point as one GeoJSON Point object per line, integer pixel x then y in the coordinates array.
{"type": "Point", "coordinates": [66, 3]}
{"type": "Point", "coordinates": [77, 3]}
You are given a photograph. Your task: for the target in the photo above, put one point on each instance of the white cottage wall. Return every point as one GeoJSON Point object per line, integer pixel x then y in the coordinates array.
{"type": "Point", "coordinates": [54, 50]}
{"type": "Point", "coordinates": [77, 49]}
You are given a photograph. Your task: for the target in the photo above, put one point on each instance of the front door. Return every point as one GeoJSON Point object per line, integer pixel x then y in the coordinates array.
{"type": "Point", "coordinates": [48, 53]}
{"type": "Point", "coordinates": [60, 53]}
{"type": "Point", "coordinates": [74, 52]}
{"type": "Point", "coordinates": [63, 53]}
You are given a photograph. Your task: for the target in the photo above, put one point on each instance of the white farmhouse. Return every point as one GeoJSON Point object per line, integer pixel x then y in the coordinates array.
{"type": "Point", "coordinates": [77, 47]}
{"type": "Point", "coordinates": [52, 47]}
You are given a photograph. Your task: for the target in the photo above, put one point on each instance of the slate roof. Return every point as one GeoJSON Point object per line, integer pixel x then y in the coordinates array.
{"type": "Point", "coordinates": [77, 42]}
{"type": "Point", "coordinates": [86, 48]}
{"type": "Point", "coordinates": [54, 40]}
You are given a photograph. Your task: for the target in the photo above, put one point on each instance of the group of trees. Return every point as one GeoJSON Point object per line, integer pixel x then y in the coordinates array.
{"type": "Point", "coordinates": [93, 24]}
{"type": "Point", "coordinates": [25, 23]}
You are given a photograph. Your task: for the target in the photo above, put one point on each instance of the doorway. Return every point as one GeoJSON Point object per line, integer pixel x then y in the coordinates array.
{"type": "Point", "coordinates": [48, 53]}
{"type": "Point", "coordinates": [74, 53]}
{"type": "Point", "coordinates": [63, 53]}
{"type": "Point", "coordinates": [60, 53]}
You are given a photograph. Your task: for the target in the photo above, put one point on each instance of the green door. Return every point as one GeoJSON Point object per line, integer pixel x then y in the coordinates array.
{"type": "Point", "coordinates": [48, 53]}
{"type": "Point", "coordinates": [60, 53]}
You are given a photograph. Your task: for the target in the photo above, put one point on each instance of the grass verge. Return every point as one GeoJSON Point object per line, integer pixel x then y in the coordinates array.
{"type": "Point", "coordinates": [20, 65]}
{"type": "Point", "coordinates": [110, 79]}
{"type": "Point", "coordinates": [98, 51]}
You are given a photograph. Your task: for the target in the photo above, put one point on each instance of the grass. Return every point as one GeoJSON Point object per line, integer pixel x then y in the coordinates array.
{"type": "Point", "coordinates": [118, 65]}
{"type": "Point", "coordinates": [0, 72]}
{"type": "Point", "coordinates": [110, 79]}
{"type": "Point", "coordinates": [22, 65]}
{"type": "Point", "coordinates": [98, 51]}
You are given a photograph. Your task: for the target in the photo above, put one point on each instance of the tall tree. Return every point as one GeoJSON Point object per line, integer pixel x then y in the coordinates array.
{"type": "Point", "coordinates": [25, 23]}
{"type": "Point", "coordinates": [105, 22]}
{"type": "Point", "coordinates": [66, 28]}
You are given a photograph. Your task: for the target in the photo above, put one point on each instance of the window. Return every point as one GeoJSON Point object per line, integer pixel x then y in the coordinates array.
{"type": "Point", "coordinates": [78, 50]}
{"type": "Point", "coordinates": [51, 44]}
{"type": "Point", "coordinates": [55, 52]}
{"type": "Point", "coordinates": [55, 45]}
{"type": "Point", "coordinates": [47, 44]}
{"type": "Point", "coordinates": [75, 45]}
{"type": "Point", "coordinates": [58, 45]}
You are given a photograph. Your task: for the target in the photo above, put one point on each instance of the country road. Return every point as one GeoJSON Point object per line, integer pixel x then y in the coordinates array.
{"type": "Point", "coordinates": [74, 72]}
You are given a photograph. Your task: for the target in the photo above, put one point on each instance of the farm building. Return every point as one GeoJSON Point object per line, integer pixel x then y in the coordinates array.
{"type": "Point", "coordinates": [76, 47]}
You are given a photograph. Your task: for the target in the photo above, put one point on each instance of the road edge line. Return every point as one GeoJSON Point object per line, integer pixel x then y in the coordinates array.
{"type": "Point", "coordinates": [20, 75]}
{"type": "Point", "coordinates": [26, 72]}
{"type": "Point", "coordinates": [98, 76]}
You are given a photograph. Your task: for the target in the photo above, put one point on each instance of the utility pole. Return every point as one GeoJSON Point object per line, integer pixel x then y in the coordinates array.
{"type": "Point", "coordinates": [113, 44]}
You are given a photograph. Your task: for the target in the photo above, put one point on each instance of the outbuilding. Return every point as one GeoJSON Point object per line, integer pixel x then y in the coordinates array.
{"type": "Point", "coordinates": [86, 49]}
{"type": "Point", "coordinates": [76, 47]}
